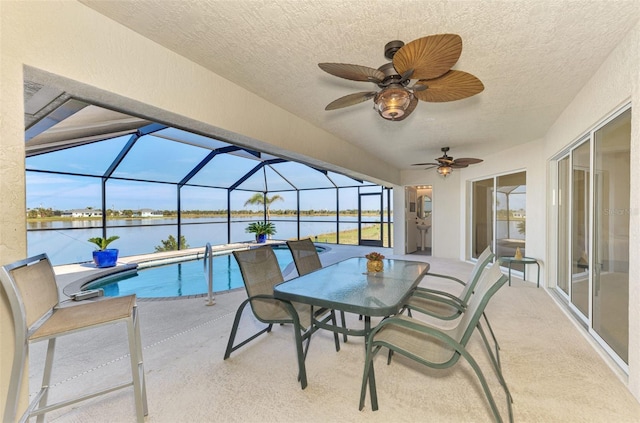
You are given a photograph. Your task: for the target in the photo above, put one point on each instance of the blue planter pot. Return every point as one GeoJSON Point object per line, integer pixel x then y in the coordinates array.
{"type": "Point", "coordinates": [105, 258]}
{"type": "Point", "coordinates": [261, 238]}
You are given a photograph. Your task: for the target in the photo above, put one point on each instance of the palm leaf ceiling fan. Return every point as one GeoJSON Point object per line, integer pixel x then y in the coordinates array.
{"type": "Point", "coordinates": [446, 163]}
{"type": "Point", "coordinates": [427, 61]}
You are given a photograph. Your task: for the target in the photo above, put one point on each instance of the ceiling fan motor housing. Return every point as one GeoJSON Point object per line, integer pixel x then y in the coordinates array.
{"type": "Point", "coordinates": [391, 48]}
{"type": "Point", "coordinates": [390, 75]}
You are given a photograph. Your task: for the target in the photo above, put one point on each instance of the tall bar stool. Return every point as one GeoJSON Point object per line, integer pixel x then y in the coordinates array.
{"type": "Point", "coordinates": [31, 288]}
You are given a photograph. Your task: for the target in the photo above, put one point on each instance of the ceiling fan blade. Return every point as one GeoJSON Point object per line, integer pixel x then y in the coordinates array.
{"type": "Point", "coordinates": [466, 161]}
{"type": "Point", "coordinates": [350, 100]}
{"type": "Point", "coordinates": [353, 72]}
{"type": "Point", "coordinates": [425, 164]}
{"type": "Point", "coordinates": [455, 165]}
{"type": "Point", "coordinates": [410, 108]}
{"type": "Point", "coordinates": [453, 85]}
{"type": "Point", "coordinates": [429, 57]}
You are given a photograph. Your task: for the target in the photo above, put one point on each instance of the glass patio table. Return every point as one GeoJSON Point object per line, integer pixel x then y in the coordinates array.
{"type": "Point", "coordinates": [346, 286]}
{"type": "Point", "coordinates": [524, 261]}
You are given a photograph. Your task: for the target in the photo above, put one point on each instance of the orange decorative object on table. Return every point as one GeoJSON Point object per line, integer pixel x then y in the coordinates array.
{"type": "Point", "coordinates": [374, 263]}
{"type": "Point", "coordinates": [518, 254]}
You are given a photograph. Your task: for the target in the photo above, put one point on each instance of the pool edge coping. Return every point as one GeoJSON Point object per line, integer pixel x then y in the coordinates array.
{"type": "Point", "coordinates": [133, 263]}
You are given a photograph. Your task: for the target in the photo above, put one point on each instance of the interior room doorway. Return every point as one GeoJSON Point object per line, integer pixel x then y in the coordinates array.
{"type": "Point", "coordinates": [418, 219]}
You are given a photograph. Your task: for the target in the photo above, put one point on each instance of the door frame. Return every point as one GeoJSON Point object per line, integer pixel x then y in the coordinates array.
{"type": "Point", "coordinates": [370, 242]}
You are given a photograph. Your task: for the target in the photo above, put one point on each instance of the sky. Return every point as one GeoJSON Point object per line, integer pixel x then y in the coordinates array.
{"type": "Point", "coordinates": [158, 159]}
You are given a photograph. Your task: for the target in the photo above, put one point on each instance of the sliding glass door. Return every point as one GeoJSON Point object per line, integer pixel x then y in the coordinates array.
{"type": "Point", "coordinates": [593, 209]}
{"type": "Point", "coordinates": [564, 219]}
{"type": "Point", "coordinates": [499, 216]}
{"type": "Point", "coordinates": [482, 216]}
{"type": "Point", "coordinates": [511, 215]}
{"type": "Point", "coordinates": [580, 216]}
{"type": "Point", "coordinates": [611, 233]}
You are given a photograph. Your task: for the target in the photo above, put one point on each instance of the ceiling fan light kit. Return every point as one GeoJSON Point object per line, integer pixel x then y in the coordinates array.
{"type": "Point", "coordinates": [445, 170]}
{"type": "Point", "coordinates": [427, 61]}
{"type": "Point", "coordinates": [392, 102]}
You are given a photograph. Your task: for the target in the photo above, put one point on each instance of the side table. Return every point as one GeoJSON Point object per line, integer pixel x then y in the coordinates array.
{"type": "Point", "coordinates": [525, 261]}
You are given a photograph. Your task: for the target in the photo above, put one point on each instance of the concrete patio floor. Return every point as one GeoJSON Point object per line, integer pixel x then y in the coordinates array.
{"type": "Point", "coordinates": [553, 371]}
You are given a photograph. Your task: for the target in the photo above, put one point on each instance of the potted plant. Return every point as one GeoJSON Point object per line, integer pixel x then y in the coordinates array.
{"type": "Point", "coordinates": [103, 256]}
{"type": "Point", "coordinates": [261, 230]}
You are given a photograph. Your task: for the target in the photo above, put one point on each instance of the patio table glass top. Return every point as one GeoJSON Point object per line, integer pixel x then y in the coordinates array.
{"type": "Point", "coordinates": [346, 286]}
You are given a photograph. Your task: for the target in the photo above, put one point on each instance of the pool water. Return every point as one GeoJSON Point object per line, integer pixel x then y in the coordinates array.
{"type": "Point", "coordinates": [181, 279]}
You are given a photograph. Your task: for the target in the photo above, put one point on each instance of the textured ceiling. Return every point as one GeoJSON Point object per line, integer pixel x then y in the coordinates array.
{"type": "Point", "coordinates": [532, 56]}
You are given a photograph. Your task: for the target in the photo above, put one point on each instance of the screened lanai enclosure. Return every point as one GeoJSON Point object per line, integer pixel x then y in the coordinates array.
{"type": "Point", "coordinates": [94, 172]}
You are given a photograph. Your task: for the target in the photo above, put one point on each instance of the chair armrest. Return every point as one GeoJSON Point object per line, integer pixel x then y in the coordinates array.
{"type": "Point", "coordinates": [417, 325]}
{"type": "Point", "coordinates": [458, 305]}
{"type": "Point", "coordinates": [434, 293]}
{"type": "Point", "coordinates": [427, 311]}
{"type": "Point", "coordinates": [437, 275]}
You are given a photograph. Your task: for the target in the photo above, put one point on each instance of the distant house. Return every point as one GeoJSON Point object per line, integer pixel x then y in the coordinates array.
{"type": "Point", "coordinates": [149, 213]}
{"type": "Point", "coordinates": [82, 213]}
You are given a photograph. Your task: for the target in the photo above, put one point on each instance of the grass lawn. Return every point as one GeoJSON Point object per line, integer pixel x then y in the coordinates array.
{"type": "Point", "coordinates": [350, 237]}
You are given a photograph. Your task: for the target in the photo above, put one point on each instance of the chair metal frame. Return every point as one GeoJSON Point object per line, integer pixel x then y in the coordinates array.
{"type": "Point", "coordinates": [455, 340]}
{"type": "Point", "coordinates": [457, 302]}
{"type": "Point", "coordinates": [41, 318]}
{"type": "Point", "coordinates": [272, 276]}
{"type": "Point", "coordinates": [423, 298]}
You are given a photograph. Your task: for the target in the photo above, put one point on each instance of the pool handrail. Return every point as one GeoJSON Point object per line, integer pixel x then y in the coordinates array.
{"type": "Point", "coordinates": [208, 259]}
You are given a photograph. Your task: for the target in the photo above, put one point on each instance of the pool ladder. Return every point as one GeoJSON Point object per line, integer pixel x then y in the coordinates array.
{"type": "Point", "coordinates": [208, 272]}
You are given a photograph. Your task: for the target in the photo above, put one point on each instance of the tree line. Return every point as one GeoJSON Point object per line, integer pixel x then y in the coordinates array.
{"type": "Point", "coordinates": [39, 212]}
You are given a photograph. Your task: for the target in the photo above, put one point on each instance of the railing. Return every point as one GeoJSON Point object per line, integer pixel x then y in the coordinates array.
{"type": "Point", "coordinates": [208, 272]}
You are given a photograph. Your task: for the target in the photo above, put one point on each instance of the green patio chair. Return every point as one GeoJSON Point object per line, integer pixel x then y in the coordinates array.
{"type": "Point", "coordinates": [30, 286]}
{"type": "Point", "coordinates": [260, 273]}
{"type": "Point", "coordinates": [436, 347]}
{"type": "Point", "coordinates": [305, 256]}
{"type": "Point", "coordinates": [447, 306]}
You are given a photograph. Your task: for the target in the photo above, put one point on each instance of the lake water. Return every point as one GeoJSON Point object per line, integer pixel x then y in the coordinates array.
{"type": "Point", "coordinates": [66, 241]}
{"type": "Point", "coordinates": [509, 230]}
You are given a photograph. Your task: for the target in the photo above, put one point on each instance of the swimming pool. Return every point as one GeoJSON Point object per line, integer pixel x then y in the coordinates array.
{"type": "Point", "coordinates": [181, 279]}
